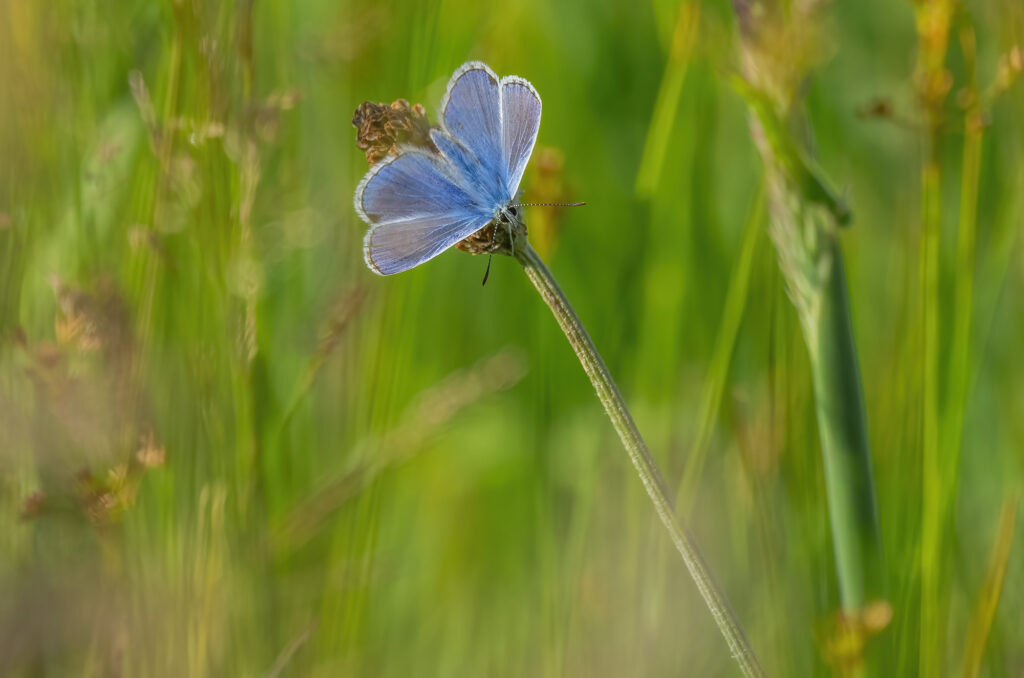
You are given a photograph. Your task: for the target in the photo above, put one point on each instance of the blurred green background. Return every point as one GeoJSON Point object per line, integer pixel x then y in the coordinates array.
{"type": "Point", "coordinates": [228, 449]}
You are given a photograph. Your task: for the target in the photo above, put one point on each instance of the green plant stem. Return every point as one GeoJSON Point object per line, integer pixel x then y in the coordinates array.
{"type": "Point", "coordinates": [805, 221]}
{"type": "Point", "coordinates": [805, 215]}
{"type": "Point", "coordinates": [846, 451]}
{"type": "Point", "coordinates": [992, 590]}
{"type": "Point", "coordinates": [654, 483]}
{"type": "Point", "coordinates": [931, 463]}
{"type": "Point", "coordinates": [934, 20]}
{"type": "Point", "coordinates": [963, 310]}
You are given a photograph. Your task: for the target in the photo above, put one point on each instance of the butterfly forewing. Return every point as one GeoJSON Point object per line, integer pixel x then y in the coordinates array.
{"type": "Point", "coordinates": [416, 209]}
{"type": "Point", "coordinates": [520, 115]}
{"type": "Point", "coordinates": [470, 171]}
{"type": "Point", "coordinates": [471, 111]}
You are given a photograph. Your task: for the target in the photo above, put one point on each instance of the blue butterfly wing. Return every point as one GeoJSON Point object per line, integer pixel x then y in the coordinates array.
{"type": "Point", "coordinates": [471, 111]}
{"type": "Point", "coordinates": [468, 166]}
{"type": "Point", "coordinates": [520, 120]}
{"type": "Point", "coordinates": [417, 207]}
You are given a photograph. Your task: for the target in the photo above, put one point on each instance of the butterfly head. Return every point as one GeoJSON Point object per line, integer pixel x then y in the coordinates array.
{"type": "Point", "coordinates": [510, 215]}
{"type": "Point", "coordinates": [510, 229]}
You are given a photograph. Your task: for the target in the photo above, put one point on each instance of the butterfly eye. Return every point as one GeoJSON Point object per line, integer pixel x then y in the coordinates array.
{"type": "Point", "coordinates": [512, 210]}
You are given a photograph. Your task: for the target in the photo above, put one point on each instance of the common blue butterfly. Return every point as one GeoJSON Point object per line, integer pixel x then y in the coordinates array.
{"type": "Point", "coordinates": [419, 203]}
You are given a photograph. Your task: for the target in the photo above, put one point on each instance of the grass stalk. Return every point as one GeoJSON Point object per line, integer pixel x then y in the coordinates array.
{"type": "Point", "coordinates": [931, 471]}
{"type": "Point", "coordinates": [963, 309]}
{"type": "Point", "coordinates": [933, 20]}
{"type": "Point", "coordinates": [992, 590]}
{"type": "Point", "coordinates": [942, 434]}
{"type": "Point", "coordinates": [615, 406]}
{"type": "Point", "coordinates": [846, 453]}
{"type": "Point", "coordinates": [805, 218]}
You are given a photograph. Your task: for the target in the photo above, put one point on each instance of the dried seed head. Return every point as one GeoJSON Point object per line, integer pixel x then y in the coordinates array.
{"type": "Point", "coordinates": [500, 236]}
{"type": "Point", "coordinates": [488, 240]}
{"type": "Point", "coordinates": [92, 319]}
{"type": "Point", "coordinates": [1015, 58]}
{"type": "Point", "coordinates": [548, 184]}
{"type": "Point", "coordinates": [748, 12]}
{"type": "Point", "coordinates": [33, 505]}
{"type": "Point", "coordinates": [876, 108]}
{"type": "Point", "coordinates": [782, 42]}
{"type": "Point", "coordinates": [1010, 66]}
{"type": "Point", "coordinates": [380, 128]}
{"type": "Point", "coordinates": [151, 454]}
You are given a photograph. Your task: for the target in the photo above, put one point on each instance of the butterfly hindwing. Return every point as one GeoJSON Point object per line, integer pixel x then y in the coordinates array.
{"type": "Point", "coordinates": [417, 208]}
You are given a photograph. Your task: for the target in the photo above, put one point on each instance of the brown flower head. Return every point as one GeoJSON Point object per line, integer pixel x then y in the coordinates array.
{"type": "Point", "coordinates": [33, 506]}
{"type": "Point", "coordinates": [381, 128]}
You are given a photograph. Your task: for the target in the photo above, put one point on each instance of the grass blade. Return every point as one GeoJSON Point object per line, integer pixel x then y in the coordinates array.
{"type": "Point", "coordinates": [992, 589]}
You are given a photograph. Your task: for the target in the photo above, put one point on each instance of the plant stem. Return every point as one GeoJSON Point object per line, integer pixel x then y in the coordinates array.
{"type": "Point", "coordinates": [845, 446]}
{"type": "Point", "coordinates": [992, 590]}
{"type": "Point", "coordinates": [805, 231]}
{"type": "Point", "coordinates": [931, 463]}
{"type": "Point", "coordinates": [654, 483]}
{"type": "Point", "coordinates": [933, 21]}
{"type": "Point", "coordinates": [805, 216]}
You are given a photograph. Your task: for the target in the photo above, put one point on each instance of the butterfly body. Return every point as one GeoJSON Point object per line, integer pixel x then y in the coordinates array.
{"type": "Point", "coordinates": [420, 203]}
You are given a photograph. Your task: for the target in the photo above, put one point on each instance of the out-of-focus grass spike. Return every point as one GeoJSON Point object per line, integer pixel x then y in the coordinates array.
{"type": "Point", "coordinates": [804, 215]}
{"type": "Point", "coordinates": [800, 169]}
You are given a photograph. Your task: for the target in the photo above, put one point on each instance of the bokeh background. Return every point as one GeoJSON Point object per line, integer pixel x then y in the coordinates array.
{"type": "Point", "coordinates": [228, 449]}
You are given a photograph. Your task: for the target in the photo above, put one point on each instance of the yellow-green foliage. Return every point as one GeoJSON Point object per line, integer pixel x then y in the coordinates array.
{"type": "Point", "coordinates": [228, 449]}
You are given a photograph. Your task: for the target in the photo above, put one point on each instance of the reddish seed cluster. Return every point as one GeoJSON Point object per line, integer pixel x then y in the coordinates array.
{"type": "Point", "coordinates": [381, 128]}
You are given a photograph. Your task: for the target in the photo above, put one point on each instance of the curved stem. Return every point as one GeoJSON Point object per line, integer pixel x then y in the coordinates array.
{"type": "Point", "coordinates": [654, 483]}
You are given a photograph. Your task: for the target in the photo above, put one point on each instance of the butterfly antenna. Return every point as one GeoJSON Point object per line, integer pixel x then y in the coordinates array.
{"type": "Point", "coordinates": [488, 271]}
{"type": "Point", "coordinates": [549, 204]}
